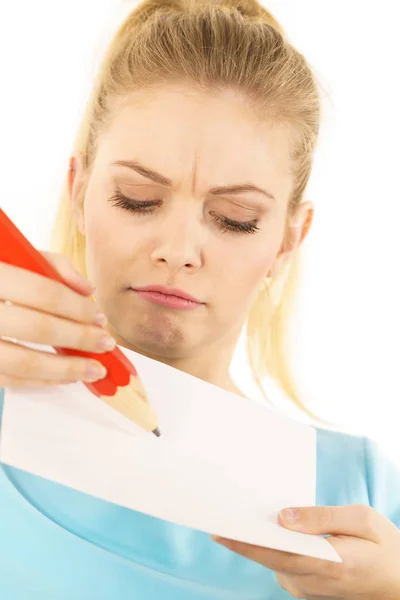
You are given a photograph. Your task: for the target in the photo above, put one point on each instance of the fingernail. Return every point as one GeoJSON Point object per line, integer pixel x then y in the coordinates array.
{"type": "Point", "coordinates": [290, 515]}
{"type": "Point", "coordinates": [101, 319]}
{"type": "Point", "coordinates": [95, 372]}
{"type": "Point", "coordinates": [106, 342]}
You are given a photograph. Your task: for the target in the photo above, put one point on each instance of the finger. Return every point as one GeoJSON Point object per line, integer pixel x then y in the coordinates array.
{"type": "Point", "coordinates": [289, 586]}
{"type": "Point", "coordinates": [35, 364]}
{"type": "Point", "coordinates": [358, 520]}
{"type": "Point", "coordinates": [10, 382]}
{"type": "Point", "coordinates": [310, 587]}
{"type": "Point", "coordinates": [25, 324]}
{"type": "Point", "coordinates": [46, 295]}
{"type": "Point", "coordinates": [276, 560]}
{"type": "Point", "coordinates": [284, 562]}
{"type": "Point", "coordinates": [67, 271]}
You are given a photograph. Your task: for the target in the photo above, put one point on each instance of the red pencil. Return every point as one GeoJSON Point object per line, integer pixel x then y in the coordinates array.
{"type": "Point", "coordinates": [121, 388]}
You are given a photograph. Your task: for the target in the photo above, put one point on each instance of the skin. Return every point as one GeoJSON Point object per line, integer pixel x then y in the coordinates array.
{"type": "Point", "coordinates": [367, 542]}
{"type": "Point", "coordinates": [200, 141]}
{"type": "Point", "coordinates": [182, 134]}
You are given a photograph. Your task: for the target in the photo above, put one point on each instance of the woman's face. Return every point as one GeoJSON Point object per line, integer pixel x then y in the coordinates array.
{"type": "Point", "coordinates": [217, 245]}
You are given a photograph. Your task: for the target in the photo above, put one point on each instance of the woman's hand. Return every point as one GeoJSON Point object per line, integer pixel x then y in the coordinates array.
{"type": "Point", "coordinates": [39, 310]}
{"type": "Point", "coordinates": [367, 542]}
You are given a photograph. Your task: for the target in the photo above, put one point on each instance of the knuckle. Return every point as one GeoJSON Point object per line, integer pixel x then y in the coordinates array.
{"type": "Point", "coordinates": [18, 363]}
{"type": "Point", "coordinates": [70, 370]}
{"type": "Point", "coordinates": [88, 310]}
{"type": "Point", "coordinates": [73, 369]}
{"type": "Point", "coordinates": [86, 337]}
{"type": "Point", "coordinates": [333, 570]}
{"type": "Point", "coordinates": [324, 517]}
{"type": "Point", "coordinates": [64, 302]}
{"type": "Point", "coordinates": [29, 364]}
{"type": "Point", "coordinates": [349, 570]}
{"type": "Point", "coordinates": [44, 328]}
{"type": "Point", "coordinates": [53, 294]}
{"type": "Point", "coordinates": [80, 308]}
{"type": "Point", "coordinates": [366, 516]}
{"type": "Point", "coordinates": [61, 300]}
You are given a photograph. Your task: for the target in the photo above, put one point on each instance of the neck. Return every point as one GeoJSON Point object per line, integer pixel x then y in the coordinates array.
{"type": "Point", "coordinates": [210, 363]}
{"type": "Point", "coordinates": [213, 369]}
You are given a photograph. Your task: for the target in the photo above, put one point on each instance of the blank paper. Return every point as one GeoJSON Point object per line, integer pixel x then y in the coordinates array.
{"type": "Point", "coordinates": [224, 464]}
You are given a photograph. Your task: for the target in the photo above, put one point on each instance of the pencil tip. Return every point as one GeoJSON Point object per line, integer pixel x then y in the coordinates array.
{"type": "Point", "coordinates": [157, 432]}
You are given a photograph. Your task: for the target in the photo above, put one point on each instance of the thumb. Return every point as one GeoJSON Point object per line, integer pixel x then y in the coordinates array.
{"type": "Point", "coordinates": [357, 520]}
{"type": "Point", "coordinates": [70, 275]}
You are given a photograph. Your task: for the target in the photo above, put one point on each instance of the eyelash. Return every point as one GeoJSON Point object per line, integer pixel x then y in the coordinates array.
{"type": "Point", "coordinates": [148, 206]}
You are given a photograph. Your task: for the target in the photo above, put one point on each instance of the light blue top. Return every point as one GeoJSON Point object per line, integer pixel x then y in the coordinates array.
{"type": "Point", "coordinates": [60, 544]}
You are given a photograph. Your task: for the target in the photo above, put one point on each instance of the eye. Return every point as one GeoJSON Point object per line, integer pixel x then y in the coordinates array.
{"type": "Point", "coordinates": [133, 205]}
{"type": "Point", "coordinates": [227, 225]}
{"type": "Point", "coordinates": [148, 207]}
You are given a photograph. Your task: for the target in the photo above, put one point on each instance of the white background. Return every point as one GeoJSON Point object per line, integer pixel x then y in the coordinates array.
{"type": "Point", "coordinates": [344, 349]}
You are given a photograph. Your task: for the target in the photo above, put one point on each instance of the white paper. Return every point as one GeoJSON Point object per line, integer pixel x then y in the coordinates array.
{"type": "Point", "coordinates": [224, 465]}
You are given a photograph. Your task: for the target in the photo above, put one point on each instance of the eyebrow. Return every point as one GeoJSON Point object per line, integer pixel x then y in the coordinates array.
{"type": "Point", "coordinates": [217, 191]}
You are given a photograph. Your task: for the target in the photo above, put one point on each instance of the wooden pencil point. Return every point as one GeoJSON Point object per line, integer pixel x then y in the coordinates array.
{"type": "Point", "coordinates": [131, 401]}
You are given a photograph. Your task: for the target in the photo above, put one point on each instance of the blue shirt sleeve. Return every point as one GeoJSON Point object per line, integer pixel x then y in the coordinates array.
{"type": "Point", "coordinates": [383, 481]}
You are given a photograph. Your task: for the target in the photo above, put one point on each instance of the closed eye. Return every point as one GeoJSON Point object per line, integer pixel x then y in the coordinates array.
{"type": "Point", "coordinates": [143, 207]}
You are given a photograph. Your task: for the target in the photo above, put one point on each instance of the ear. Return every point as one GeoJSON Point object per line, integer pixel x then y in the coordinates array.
{"type": "Point", "coordinates": [76, 181]}
{"type": "Point", "coordinates": [298, 227]}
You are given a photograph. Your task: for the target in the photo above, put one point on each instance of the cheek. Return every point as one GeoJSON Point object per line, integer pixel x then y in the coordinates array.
{"type": "Point", "coordinates": [241, 269]}
{"type": "Point", "coordinates": [107, 238]}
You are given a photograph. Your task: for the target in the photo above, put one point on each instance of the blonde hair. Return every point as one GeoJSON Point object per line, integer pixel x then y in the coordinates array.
{"type": "Point", "coordinates": [233, 44]}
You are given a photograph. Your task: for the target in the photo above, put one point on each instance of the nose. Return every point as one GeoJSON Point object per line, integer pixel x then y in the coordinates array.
{"type": "Point", "coordinates": [179, 242]}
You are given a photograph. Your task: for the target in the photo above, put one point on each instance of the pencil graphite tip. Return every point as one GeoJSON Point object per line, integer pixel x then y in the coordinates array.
{"type": "Point", "coordinates": [156, 432]}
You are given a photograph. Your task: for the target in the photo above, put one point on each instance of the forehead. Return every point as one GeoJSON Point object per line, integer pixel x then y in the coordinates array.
{"type": "Point", "coordinates": [178, 130]}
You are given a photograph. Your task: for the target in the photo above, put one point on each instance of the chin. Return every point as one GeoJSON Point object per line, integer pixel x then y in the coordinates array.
{"type": "Point", "coordinates": [158, 335]}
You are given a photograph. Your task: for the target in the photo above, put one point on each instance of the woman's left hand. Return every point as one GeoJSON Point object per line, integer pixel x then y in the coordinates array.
{"type": "Point", "coordinates": [367, 542]}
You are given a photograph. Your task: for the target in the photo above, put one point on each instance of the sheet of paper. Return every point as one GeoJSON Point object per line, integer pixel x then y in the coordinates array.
{"type": "Point", "coordinates": [224, 465]}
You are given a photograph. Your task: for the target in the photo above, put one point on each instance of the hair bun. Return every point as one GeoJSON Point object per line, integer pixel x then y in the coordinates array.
{"type": "Point", "coordinates": [248, 8]}
{"type": "Point", "coordinates": [149, 7]}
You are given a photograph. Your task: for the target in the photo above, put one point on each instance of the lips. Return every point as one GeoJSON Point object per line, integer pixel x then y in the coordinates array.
{"type": "Point", "coordinates": [167, 291]}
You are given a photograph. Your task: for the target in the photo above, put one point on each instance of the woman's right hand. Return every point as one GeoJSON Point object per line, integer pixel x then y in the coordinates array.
{"type": "Point", "coordinates": [43, 311]}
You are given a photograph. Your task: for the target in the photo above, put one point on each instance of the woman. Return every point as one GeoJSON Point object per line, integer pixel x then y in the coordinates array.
{"type": "Point", "coordinates": [189, 173]}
